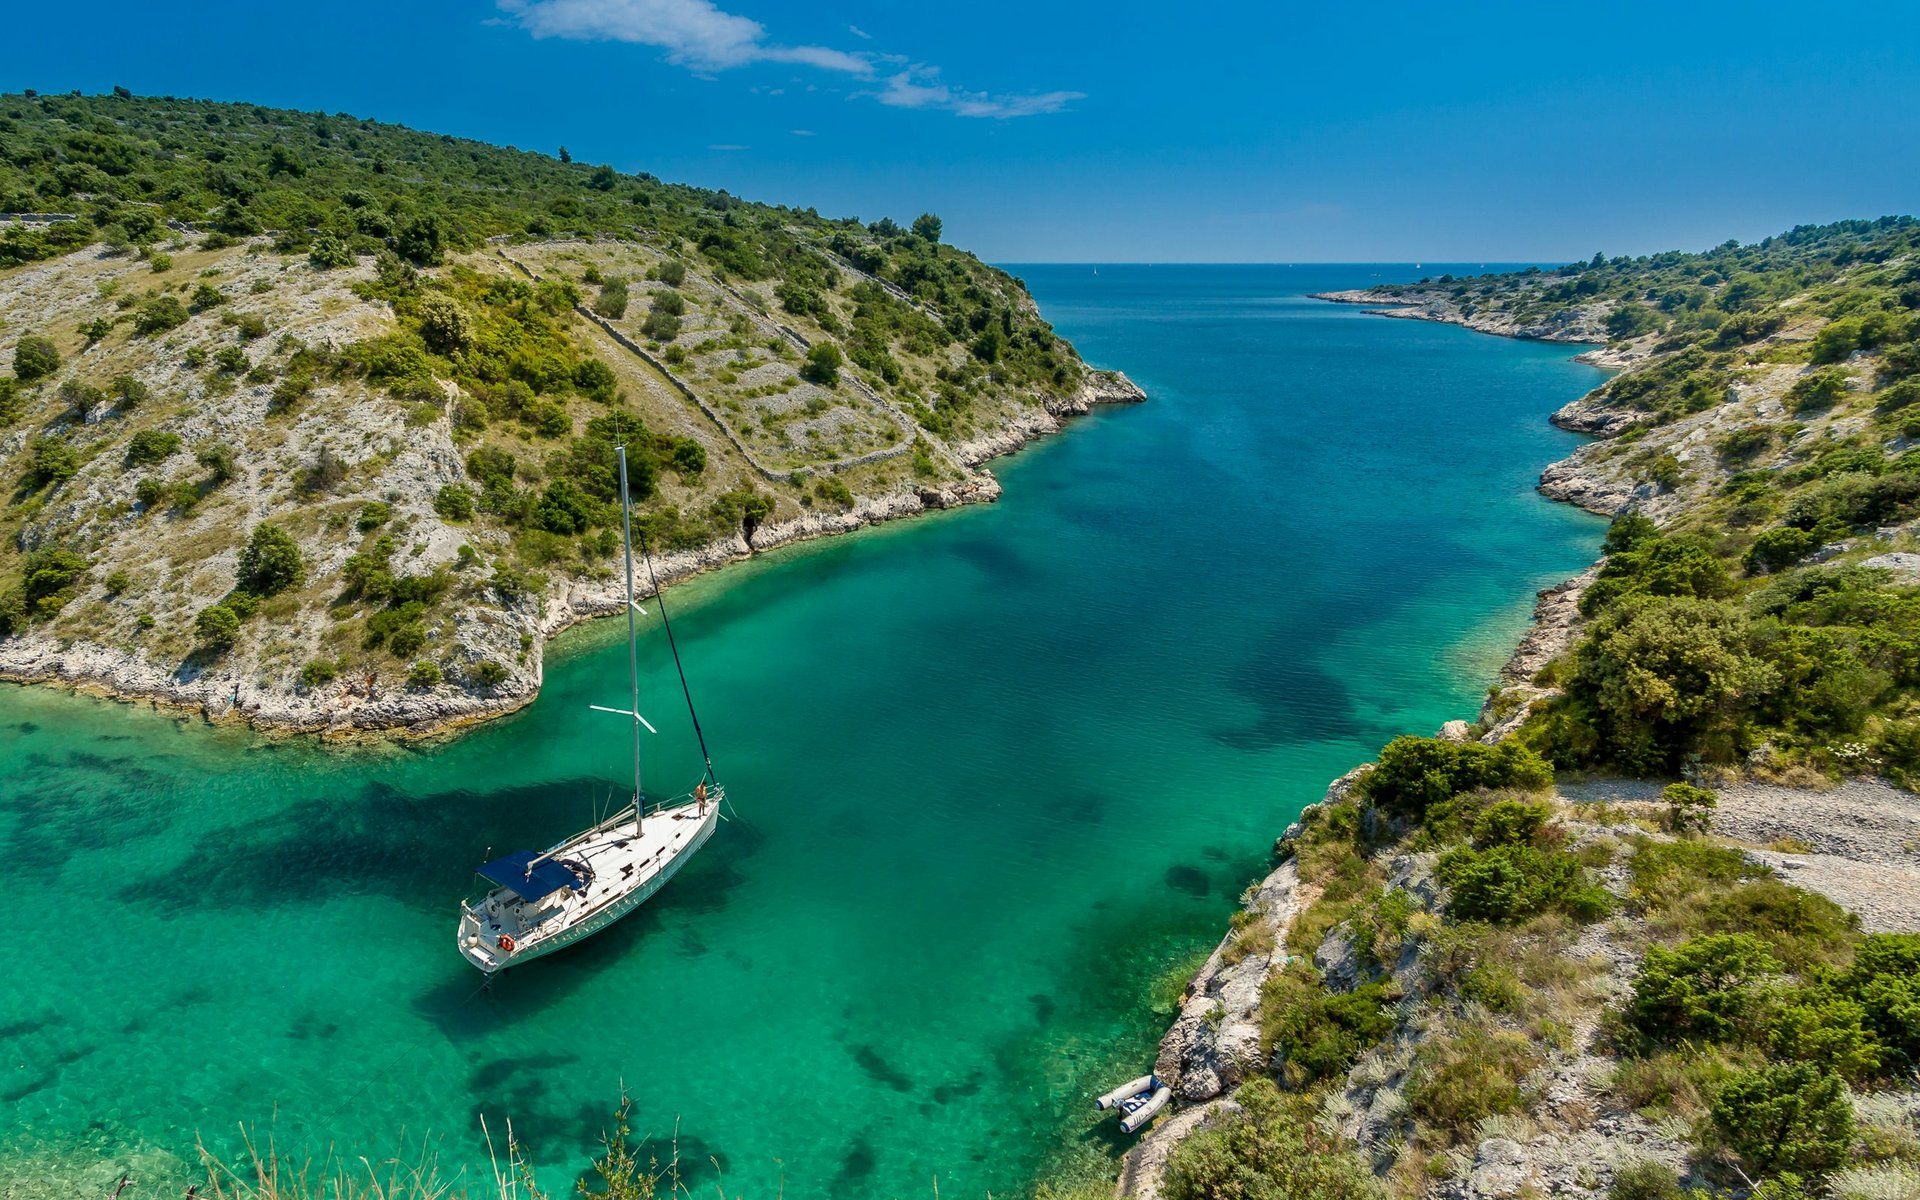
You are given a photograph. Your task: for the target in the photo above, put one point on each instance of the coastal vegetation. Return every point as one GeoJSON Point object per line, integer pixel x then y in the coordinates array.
{"type": "Point", "coordinates": [1501, 979]}
{"type": "Point", "coordinates": [223, 318]}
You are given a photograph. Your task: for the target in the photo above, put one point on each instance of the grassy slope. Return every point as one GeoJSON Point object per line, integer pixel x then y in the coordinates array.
{"type": "Point", "coordinates": [364, 334]}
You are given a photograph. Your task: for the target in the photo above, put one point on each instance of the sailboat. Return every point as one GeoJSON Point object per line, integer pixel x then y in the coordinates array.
{"type": "Point", "coordinates": [543, 902]}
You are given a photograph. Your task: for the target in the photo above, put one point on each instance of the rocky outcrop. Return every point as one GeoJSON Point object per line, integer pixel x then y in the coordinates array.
{"type": "Point", "coordinates": [1215, 1041]}
{"type": "Point", "coordinates": [1592, 415]}
{"type": "Point", "coordinates": [1099, 387]}
{"type": "Point", "coordinates": [1606, 495]}
{"type": "Point", "coordinates": [1580, 323]}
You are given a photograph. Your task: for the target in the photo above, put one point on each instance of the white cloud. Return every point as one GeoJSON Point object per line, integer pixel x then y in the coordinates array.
{"type": "Point", "coordinates": [701, 36]}
{"type": "Point", "coordinates": [921, 88]}
{"type": "Point", "coordinates": [728, 147]}
{"type": "Point", "coordinates": [801, 132]}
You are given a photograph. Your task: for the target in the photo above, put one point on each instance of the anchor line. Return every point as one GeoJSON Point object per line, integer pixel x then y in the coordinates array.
{"type": "Point", "coordinates": [660, 598]}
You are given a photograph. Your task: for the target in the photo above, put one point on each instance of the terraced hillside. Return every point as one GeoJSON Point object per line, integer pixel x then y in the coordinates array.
{"type": "Point", "coordinates": [311, 420]}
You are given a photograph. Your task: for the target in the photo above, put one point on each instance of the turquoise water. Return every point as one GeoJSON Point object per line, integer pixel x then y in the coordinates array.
{"type": "Point", "coordinates": [995, 771]}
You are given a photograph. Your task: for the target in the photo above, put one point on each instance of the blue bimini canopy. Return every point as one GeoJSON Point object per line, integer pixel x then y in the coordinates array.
{"type": "Point", "coordinates": [511, 872]}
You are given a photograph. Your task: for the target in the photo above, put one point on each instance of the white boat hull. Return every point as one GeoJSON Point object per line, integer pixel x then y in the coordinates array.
{"type": "Point", "coordinates": [626, 870]}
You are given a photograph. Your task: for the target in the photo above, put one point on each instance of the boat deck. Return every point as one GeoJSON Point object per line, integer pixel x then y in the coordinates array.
{"type": "Point", "coordinates": [613, 863]}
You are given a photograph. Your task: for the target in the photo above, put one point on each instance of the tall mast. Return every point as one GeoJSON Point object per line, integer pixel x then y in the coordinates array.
{"type": "Point", "coordinates": [633, 653]}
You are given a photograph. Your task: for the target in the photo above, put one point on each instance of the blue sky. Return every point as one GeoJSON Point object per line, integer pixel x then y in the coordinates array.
{"type": "Point", "coordinates": [1115, 130]}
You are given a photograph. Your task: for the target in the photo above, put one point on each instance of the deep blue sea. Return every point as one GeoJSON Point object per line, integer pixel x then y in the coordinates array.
{"type": "Point", "coordinates": [996, 770]}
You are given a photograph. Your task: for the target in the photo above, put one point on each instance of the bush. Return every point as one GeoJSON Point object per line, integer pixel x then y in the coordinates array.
{"type": "Point", "coordinates": [1312, 1033]}
{"type": "Point", "coordinates": [50, 462]}
{"type": "Point", "coordinates": [1689, 808]}
{"type": "Point", "coordinates": [423, 674]}
{"type": "Point", "coordinates": [158, 314]}
{"type": "Point", "coordinates": [319, 673]}
{"type": "Point", "coordinates": [1791, 1118]}
{"type": "Point", "coordinates": [35, 357]}
{"type": "Point", "coordinates": [1818, 391]}
{"type": "Point", "coordinates": [1460, 1080]}
{"type": "Point", "coordinates": [454, 502]}
{"type": "Point", "coordinates": [217, 626]}
{"type": "Point", "coordinates": [822, 365]}
{"type": "Point", "coordinates": [661, 326]}
{"type": "Point", "coordinates": [1415, 772]}
{"type": "Point", "coordinates": [1885, 979]}
{"type": "Point", "coordinates": [444, 325]}
{"type": "Point", "coordinates": [271, 562]}
{"type": "Point", "coordinates": [1510, 883]}
{"type": "Point", "coordinates": [1273, 1148]}
{"type": "Point", "coordinates": [612, 301]}
{"type": "Point", "coordinates": [150, 446]}
{"type": "Point", "coordinates": [1705, 990]}
{"type": "Point", "coordinates": [488, 673]}
{"type": "Point", "coordinates": [129, 391]}
{"type": "Point", "coordinates": [1778, 548]}
{"type": "Point", "coordinates": [1646, 1180]}
{"type": "Point", "coordinates": [1666, 677]}
{"type": "Point", "coordinates": [672, 272]}
{"type": "Point", "coordinates": [1510, 823]}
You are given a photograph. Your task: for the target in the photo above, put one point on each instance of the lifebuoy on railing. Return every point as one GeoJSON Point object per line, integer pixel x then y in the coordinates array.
{"type": "Point", "coordinates": [506, 943]}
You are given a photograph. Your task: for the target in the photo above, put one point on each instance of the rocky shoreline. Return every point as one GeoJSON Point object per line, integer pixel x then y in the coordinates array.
{"type": "Point", "coordinates": [96, 670]}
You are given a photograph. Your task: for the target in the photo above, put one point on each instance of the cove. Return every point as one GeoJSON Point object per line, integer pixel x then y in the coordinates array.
{"type": "Point", "coordinates": [995, 771]}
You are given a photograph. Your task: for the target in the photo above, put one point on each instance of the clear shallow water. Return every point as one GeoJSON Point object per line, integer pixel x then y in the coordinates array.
{"type": "Point", "coordinates": [995, 771]}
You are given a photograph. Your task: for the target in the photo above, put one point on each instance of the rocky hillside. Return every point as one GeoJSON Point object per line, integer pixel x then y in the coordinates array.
{"type": "Point", "coordinates": [311, 421]}
{"type": "Point", "coordinates": [1645, 928]}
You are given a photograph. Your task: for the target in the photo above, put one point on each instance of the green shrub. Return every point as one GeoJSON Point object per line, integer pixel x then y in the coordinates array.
{"type": "Point", "coordinates": [1510, 823]}
{"type": "Point", "coordinates": [50, 462]}
{"type": "Point", "coordinates": [1817, 391]}
{"type": "Point", "coordinates": [489, 673]}
{"type": "Point", "coordinates": [271, 561]}
{"type": "Point", "coordinates": [454, 502]}
{"type": "Point", "coordinates": [319, 672]}
{"type": "Point", "coordinates": [217, 626]}
{"type": "Point", "coordinates": [35, 357]}
{"type": "Point", "coordinates": [1785, 1118]}
{"type": "Point", "coordinates": [1885, 979]}
{"type": "Point", "coordinates": [1668, 677]}
{"type": "Point", "coordinates": [822, 365]}
{"type": "Point", "coordinates": [1461, 1079]}
{"type": "Point", "coordinates": [1709, 989]}
{"type": "Point", "coordinates": [150, 446]}
{"type": "Point", "coordinates": [206, 296]}
{"type": "Point", "coordinates": [423, 674]}
{"type": "Point", "coordinates": [1313, 1033]}
{"type": "Point", "coordinates": [158, 314]}
{"type": "Point", "coordinates": [1274, 1148]}
{"type": "Point", "coordinates": [1646, 1180]}
{"type": "Point", "coordinates": [1779, 548]}
{"type": "Point", "coordinates": [129, 391]}
{"type": "Point", "coordinates": [1689, 808]}
{"type": "Point", "coordinates": [373, 515]}
{"type": "Point", "coordinates": [1413, 772]}
{"type": "Point", "coordinates": [1509, 883]}
{"type": "Point", "coordinates": [406, 638]}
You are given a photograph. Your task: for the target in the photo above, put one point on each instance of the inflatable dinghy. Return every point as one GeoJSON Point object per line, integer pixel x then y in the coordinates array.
{"type": "Point", "coordinates": [1138, 1101]}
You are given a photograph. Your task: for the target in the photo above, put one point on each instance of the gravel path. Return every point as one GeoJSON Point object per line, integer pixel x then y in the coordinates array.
{"type": "Point", "coordinates": [1862, 838]}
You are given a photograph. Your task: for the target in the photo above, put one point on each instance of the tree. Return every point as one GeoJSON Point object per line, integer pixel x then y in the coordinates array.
{"type": "Point", "coordinates": [1704, 990]}
{"type": "Point", "coordinates": [217, 626]}
{"type": "Point", "coordinates": [565, 157]}
{"type": "Point", "coordinates": [150, 446]}
{"type": "Point", "coordinates": [271, 562]}
{"type": "Point", "coordinates": [444, 325]}
{"type": "Point", "coordinates": [328, 251]}
{"type": "Point", "coordinates": [1689, 808]}
{"type": "Point", "coordinates": [1667, 677]}
{"type": "Point", "coordinates": [35, 357]}
{"type": "Point", "coordinates": [158, 314]}
{"type": "Point", "coordinates": [1793, 1118]}
{"type": "Point", "coordinates": [926, 227]}
{"type": "Point", "coordinates": [823, 364]}
{"type": "Point", "coordinates": [50, 461]}
{"type": "Point", "coordinates": [603, 178]}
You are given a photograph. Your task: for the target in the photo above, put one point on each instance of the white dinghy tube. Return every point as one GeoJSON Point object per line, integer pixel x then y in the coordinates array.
{"type": "Point", "coordinates": [1125, 1091]}
{"type": "Point", "coordinates": [1138, 1101]}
